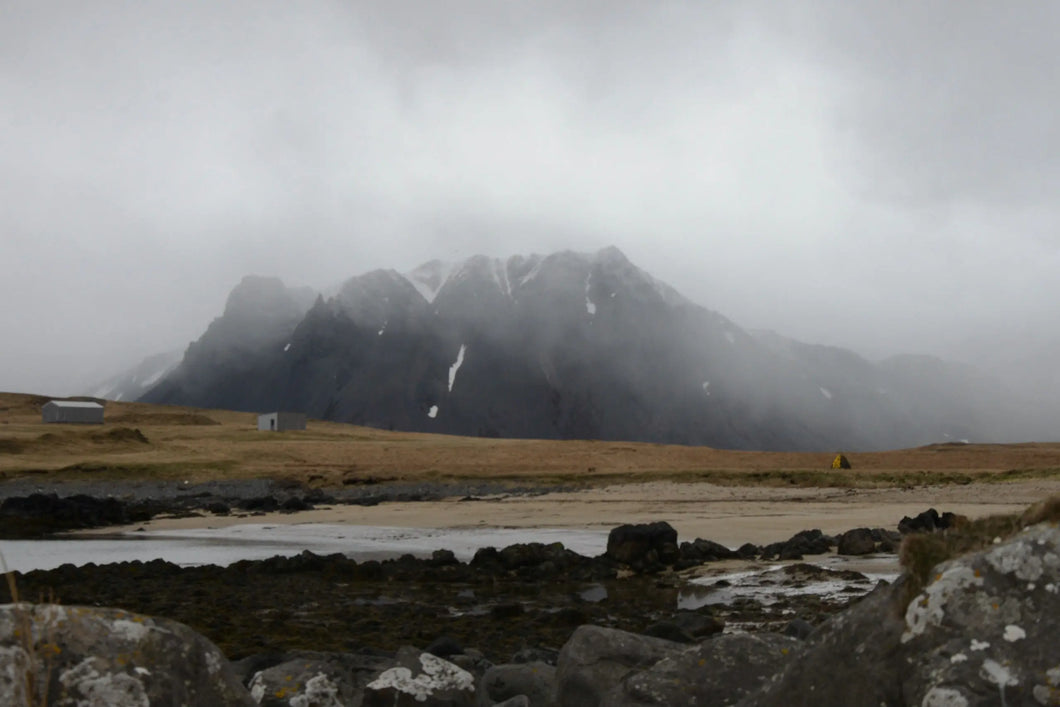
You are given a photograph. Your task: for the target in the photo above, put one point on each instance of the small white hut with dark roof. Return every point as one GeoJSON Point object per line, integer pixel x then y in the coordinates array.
{"type": "Point", "coordinates": [281, 421]}
{"type": "Point", "coordinates": [72, 411]}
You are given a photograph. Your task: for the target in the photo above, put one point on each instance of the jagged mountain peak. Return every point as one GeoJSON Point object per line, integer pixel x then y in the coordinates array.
{"type": "Point", "coordinates": [569, 345]}
{"type": "Point", "coordinates": [260, 296]}
{"type": "Point", "coordinates": [511, 275]}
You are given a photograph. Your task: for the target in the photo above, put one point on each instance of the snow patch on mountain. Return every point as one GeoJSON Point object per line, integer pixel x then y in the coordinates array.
{"type": "Point", "coordinates": [530, 276]}
{"type": "Point", "coordinates": [826, 393]}
{"type": "Point", "coordinates": [499, 270]}
{"type": "Point", "coordinates": [156, 376]}
{"type": "Point", "coordinates": [456, 366]}
{"type": "Point", "coordinates": [590, 306]}
{"type": "Point", "coordinates": [433, 412]}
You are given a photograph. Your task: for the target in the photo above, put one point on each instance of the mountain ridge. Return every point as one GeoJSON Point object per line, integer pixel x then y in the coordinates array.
{"type": "Point", "coordinates": [558, 346]}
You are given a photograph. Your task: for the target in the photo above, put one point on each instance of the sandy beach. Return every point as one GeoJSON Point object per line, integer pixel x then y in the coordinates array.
{"type": "Point", "coordinates": [726, 514]}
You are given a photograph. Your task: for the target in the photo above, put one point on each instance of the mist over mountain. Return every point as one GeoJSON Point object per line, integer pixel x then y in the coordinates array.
{"type": "Point", "coordinates": [568, 345]}
{"type": "Point", "coordinates": [134, 382]}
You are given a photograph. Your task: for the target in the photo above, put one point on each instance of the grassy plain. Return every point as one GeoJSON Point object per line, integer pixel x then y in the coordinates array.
{"type": "Point", "coordinates": [141, 441]}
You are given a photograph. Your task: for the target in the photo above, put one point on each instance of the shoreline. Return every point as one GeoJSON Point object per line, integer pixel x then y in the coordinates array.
{"type": "Point", "coordinates": [725, 514]}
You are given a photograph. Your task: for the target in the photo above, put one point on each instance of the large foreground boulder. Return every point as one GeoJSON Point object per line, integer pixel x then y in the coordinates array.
{"type": "Point", "coordinates": [595, 659]}
{"type": "Point", "coordinates": [983, 631]}
{"type": "Point", "coordinates": [717, 672]}
{"type": "Point", "coordinates": [610, 668]}
{"type": "Point", "coordinates": [63, 655]}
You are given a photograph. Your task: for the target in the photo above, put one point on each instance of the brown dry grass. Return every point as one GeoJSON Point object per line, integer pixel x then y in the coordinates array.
{"type": "Point", "coordinates": [196, 444]}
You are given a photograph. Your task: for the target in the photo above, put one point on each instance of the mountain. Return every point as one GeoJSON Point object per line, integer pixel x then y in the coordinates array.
{"type": "Point", "coordinates": [567, 345]}
{"type": "Point", "coordinates": [259, 314]}
{"type": "Point", "coordinates": [133, 383]}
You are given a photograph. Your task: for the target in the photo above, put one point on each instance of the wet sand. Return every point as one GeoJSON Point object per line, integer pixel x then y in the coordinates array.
{"type": "Point", "coordinates": [725, 514]}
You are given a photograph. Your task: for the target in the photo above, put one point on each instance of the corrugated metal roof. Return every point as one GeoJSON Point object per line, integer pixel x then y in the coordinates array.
{"type": "Point", "coordinates": [73, 404]}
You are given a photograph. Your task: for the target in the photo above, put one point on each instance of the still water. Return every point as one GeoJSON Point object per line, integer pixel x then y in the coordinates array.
{"type": "Point", "coordinates": [223, 546]}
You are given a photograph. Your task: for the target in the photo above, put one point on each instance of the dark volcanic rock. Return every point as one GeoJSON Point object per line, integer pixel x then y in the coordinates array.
{"type": "Point", "coordinates": [806, 542]}
{"type": "Point", "coordinates": [859, 541]}
{"type": "Point", "coordinates": [702, 550]}
{"type": "Point", "coordinates": [40, 514]}
{"type": "Point", "coordinates": [444, 647]}
{"type": "Point", "coordinates": [646, 547]}
{"type": "Point", "coordinates": [926, 522]}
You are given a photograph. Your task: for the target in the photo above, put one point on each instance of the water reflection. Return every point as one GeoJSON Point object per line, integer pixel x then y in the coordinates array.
{"type": "Point", "coordinates": [223, 546]}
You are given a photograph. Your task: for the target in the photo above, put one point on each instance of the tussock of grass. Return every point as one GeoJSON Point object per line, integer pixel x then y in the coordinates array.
{"type": "Point", "coordinates": [922, 552]}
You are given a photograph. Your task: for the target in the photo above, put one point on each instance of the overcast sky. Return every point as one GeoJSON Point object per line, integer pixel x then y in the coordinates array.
{"type": "Point", "coordinates": [881, 176]}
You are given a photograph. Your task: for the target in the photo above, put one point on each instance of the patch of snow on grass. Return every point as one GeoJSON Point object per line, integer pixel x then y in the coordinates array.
{"type": "Point", "coordinates": [456, 367]}
{"type": "Point", "coordinates": [433, 412]}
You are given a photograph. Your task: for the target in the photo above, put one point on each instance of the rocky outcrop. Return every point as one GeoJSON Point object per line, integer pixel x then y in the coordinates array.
{"type": "Point", "coordinates": [858, 541]}
{"type": "Point", "coordinates": [806, 542]}
{"type": "Point", "coordinates": [645, 547]}
{"type": "Point", "coordinates": [927, 522]}
{"type": "Point", "coordinates": [38, 514]}
{"type": "Point", "coordinates": [66, 655]}
{"type": "Point", "coordinates": [976, 630]}
{"type": "Point", "coordinates": [982, 632]}
{"type": "Point", "coordinates": [700, 550]}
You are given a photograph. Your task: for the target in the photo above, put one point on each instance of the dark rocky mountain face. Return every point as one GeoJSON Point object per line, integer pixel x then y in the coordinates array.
{"type": "Point", "coordinates": [259, 314]}
{"type": "Point", "coordinates": [561, 346]}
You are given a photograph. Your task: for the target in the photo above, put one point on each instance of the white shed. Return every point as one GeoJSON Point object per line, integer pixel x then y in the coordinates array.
{"type": "Point", "coordinates": [281, 421]}
{"type": "Point", "coordinates": [72, 411]}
